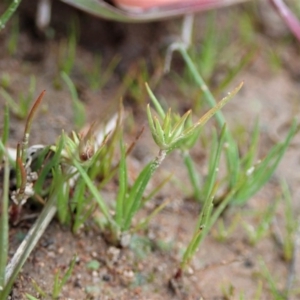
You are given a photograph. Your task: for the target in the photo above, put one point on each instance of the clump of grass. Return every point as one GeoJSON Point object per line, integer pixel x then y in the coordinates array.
{"type": "Point", "coordinates": [20, 108]}
{"type": "Point", "coordinates": [169, 132]}
{"type": "Point", "coordinates": [98, 77]}
{"type": "Point", "coordinates": [134, 81]}
{"type": "Point", "coordinates": [52, 161]}
{"type": "Point", "coordinates": [244, 176]}
{"type": "Point", "coordinates": [248, 172]}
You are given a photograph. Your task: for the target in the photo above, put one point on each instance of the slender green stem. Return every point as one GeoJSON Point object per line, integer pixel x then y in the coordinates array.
{"type": "Point", "coordinates": [4, 224]}
{"type": "Point", "coordinates": [95, 192]}
{"type": "Point", "coordinates": [193, 174]}
{"type": "Point", "coordinates": [8, 13]}
{"type": "Point", "coordinates": [28, 126]}
{"type": "Point", "coordinates": [232, 155]}
{"type": "Point", "coordinates": [5, 132]}
{"type": "Point", "coordinates": [29, 243]}
{"type": "Point", "coordinates": [134, 201]}
{"type": "Point", "coordinates": [199, 80]}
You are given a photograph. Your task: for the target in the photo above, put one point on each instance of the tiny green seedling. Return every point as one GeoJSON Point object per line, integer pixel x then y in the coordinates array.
{"type": "Point", "coordinates": [255, 234]}
{"type": "Point", "coordinates": [291, 225]}
{"type": "Point", "coordinates": [12, 44]}
{"type": "Point", "coordinates": [276, 293]}
{"type": "Point", "coordinates": [134, 81]}
{"type": "Point", "coordinates": [22, 107]}
{"type": "Point", "coordinates": [98, 77]}
{"type": "Point", "coordinates": [67, 50]}
{"type": "Point", "coordinates": [222, 232]}
{"type": "Point", "coordinates": [59, 283]}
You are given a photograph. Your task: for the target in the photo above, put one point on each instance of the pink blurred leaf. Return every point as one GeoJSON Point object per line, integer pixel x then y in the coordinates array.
{"type": "Point", "coordinates": [289, 18]}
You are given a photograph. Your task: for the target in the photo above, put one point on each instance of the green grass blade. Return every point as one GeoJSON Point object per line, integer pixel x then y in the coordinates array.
{"type": "Point", "coordinates": [78, 107]}
{"type": "Point", "coordinates": [133, 201]}
{"type": "Point", "coordinates": [290, 224]}
{"type": "Point", "coordinates": [197, 237]}
{"type": "Point", "coordinates": [179, 126]}
{"type": "Point", "coordinates": [196, 76]}
{"type": "Point", "coordinates": [94, 192]}
{"type": "Point", "coordinates": [5, 131]}
{"type": "Point", "coordinates": [28, 244]}
{"type": "Point", "coordinates": [167, 124]}
{"type": "Point", "coordinates": [156, 103]}
{"type": "Point", "coordinates": [61, 188]}
{"type": "Point", "coordinates": [232, 155]}
{"type": "Point", "coordinates": [216, 110]}
{"type": "Point", "coordinates": [152, 126]}
{"type": "Point", "coordinates": [150, 216]}
{"type": "Point", "coordinates": [237, 69]}
{"type": "Point", "coordinates": [79, 201]}
{"type": "Point", "coordinates": [263, 172]}
{"type": "Point", "coordinates": [213, 169]}
{"type": "Point", "coordinates": [248, 160]}
{"type": "Point", "coordinates": [8, 13]}
{"type": "Point", "coordinates": [209, 54]}
{"type": "Point", "coordinates": [12, 104]}
{"type": "Point", "coordinates": [54, 161]}
{"type": "Point", "coordinates": [193, 175]}
{"type": "Point", "coordinates": [160, 132]}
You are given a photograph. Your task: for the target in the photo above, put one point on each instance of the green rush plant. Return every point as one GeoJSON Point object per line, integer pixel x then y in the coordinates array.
{"type": "Point", "coordinates": [247, 185]}
{"type": "Point", "coordinates": [169, 132]}
{"type": "Point", "coordinates": [246, 172]}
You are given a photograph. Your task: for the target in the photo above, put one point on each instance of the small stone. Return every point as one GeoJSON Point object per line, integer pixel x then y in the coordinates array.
{"type": "Point", "coordinates": [60, 250]}
{"type": "Point", "coordinates": [113, 255]}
